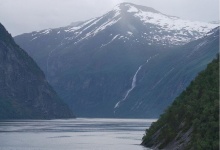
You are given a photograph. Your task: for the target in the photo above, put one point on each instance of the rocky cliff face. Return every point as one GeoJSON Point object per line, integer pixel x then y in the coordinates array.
{"type": "Point", "coordinates": [24, 92]}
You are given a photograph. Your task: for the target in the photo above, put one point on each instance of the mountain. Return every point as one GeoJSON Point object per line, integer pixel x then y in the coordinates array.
{"type": "Point", "coordinates": [24, 91]}
{"type": "Point", "coordinates": [118, 65]}
{"type": "Point", "coordinates": [165, 76]}
{"type": "Point", "coordinates": [192, 121]}
{"type": "Point", "coordinates": [127, 23]}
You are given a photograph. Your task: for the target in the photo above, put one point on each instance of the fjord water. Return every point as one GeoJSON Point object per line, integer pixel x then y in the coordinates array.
{"type": "Point", "coordinates": [77, 134]}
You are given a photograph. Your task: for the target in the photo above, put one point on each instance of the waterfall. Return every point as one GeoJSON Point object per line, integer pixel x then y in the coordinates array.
{"type": "Point", "coordinates": [133, 85]}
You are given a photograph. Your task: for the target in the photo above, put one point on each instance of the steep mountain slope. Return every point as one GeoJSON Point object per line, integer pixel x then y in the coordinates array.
{"type": "Point", "coordinates": [105, 67]}
{"type": "Point", "coordinates": [24, 92]}
{"type": "Point", "coordinates": [126, 23]}
{"type": "Point", "coordinates": [162, 79]}
{"type": "Point", "coordinates": [192, 121]}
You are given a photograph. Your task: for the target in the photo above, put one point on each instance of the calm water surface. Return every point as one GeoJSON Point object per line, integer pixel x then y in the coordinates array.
{"type": "Point", "coordinates": [73, 134]}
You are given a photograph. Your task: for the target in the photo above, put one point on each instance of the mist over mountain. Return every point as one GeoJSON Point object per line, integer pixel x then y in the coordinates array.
{"type": "Point", "coordinates": [131, 62]}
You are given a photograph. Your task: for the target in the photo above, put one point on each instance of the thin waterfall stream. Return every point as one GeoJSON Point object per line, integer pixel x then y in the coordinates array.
{"type": "Point", "coordinates": [133, 85]}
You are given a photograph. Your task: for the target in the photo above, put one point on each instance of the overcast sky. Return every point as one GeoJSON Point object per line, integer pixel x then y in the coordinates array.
{"type": "Point", "coordinates": [21, 16]}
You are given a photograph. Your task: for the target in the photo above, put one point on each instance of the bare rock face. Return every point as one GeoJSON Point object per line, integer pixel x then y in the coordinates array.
{"type": "Point", "coordinates": [24, 91]}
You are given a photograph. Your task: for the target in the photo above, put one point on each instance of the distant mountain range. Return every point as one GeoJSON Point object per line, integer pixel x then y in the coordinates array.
{"type": "Point", "coordinates": [24, 91]}
{"type": "Point", "coordinates": [130, 62]}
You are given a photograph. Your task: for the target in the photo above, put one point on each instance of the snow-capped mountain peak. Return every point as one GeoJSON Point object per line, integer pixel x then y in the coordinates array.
{"type": "Point", "coordinates": [133, 23]}
{"type": "Point", "coordinates": [122, 61]}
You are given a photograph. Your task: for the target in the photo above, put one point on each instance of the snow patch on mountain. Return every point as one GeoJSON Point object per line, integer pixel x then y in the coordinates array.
{"type": "Point", "coordinates": [34, 38]}
{"type": "Point", "coordinates": [158, 28]}
{"type": "Point", "coordinates": [97, 30]}
{"type": "Point", "coordinates": [130, 33]}
{"type": "Point", "coordinates": [173, 24]}
{"type": "Point", "coordinates": [105, 25]}
{"type": "Point", "coordinates": [74, 28]}
{"type": "Point", "coordinates": [117, 11]}
{"type": "Point", "coordinates": [46, 31]}
{"type": "Point", "coordinates": [110, 41]}
{"type": "Point", "coordinates": [132, 9]}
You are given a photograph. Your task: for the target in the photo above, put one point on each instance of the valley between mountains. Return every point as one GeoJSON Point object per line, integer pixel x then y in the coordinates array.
{"type": "Point", "coordinates": [131, 62]}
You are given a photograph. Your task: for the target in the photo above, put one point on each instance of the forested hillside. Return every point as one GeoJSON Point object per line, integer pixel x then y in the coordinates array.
{"type": "Point", "coordinates": [192, 121]}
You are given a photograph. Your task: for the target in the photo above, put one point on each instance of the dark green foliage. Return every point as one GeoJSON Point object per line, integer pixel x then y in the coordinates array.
{"type": "Point", "coordinates": [197, 108]}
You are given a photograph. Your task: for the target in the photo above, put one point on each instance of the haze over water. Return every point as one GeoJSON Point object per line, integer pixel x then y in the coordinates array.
{"type": "Point", "coordinates": [77, 134]}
